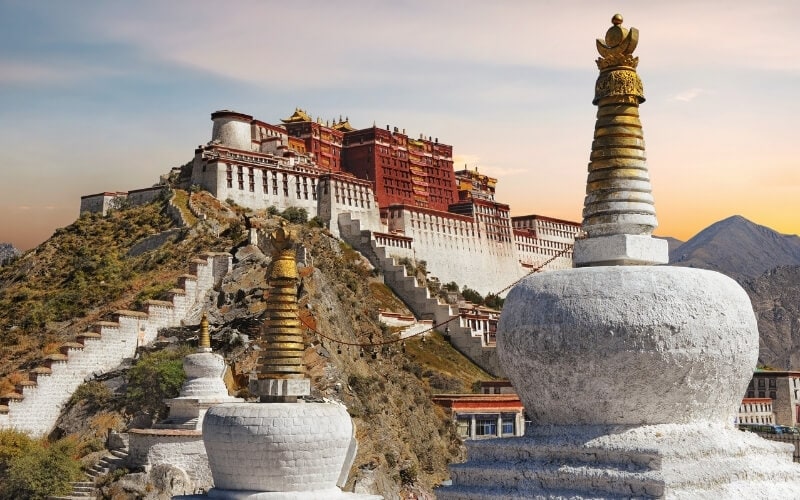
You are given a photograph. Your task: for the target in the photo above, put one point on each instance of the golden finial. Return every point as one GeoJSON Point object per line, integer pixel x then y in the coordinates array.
{"type": "Point", "coordinates": [618, 46]}
{"type": "Point", "coordinates": [205, 338]}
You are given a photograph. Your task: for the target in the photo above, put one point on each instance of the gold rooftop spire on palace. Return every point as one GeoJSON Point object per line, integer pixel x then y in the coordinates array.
{"type": "Point", "coordinates": [281, 335]}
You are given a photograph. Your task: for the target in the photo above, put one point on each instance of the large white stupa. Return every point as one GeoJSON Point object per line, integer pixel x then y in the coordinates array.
{"type": "Point", "coordinates": [631, 374]}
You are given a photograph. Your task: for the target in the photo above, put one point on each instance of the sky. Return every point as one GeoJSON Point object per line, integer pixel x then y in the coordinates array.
{"type": "Point", "coordinates": [108, 95]}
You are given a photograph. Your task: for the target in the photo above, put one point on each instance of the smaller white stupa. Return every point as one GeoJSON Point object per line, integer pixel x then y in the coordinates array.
{"type": "Point", "coordinates": [204, 386]}
{"type": "Point", "coordinates": [178, 440]}
{"type": "Point", "coordinates": [282, 447]}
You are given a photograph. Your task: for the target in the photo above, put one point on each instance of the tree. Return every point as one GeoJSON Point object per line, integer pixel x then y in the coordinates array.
{"type": "Point", "coordinates": [471, 295]}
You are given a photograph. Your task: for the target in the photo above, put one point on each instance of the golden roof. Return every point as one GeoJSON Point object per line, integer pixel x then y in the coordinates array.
{"type": "Point", "coordinates": [298, 116]}
{"type": "Point", "coordinates": [344, 126]}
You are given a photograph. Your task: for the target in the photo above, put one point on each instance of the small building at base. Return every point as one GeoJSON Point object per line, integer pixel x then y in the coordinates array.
{"type": "Point", "coordinates": [484, 416]}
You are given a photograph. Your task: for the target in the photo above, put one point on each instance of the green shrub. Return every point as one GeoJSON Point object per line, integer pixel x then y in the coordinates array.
{"type": "Point", "coordinates": [12, 444]}
{"type": "Point", "coordinates": [42, 470]}
{"type": "Point", "coordinates": [471, 295]}
{"type": "Point", "coordinates": [295, 215]}
{"type": "Point", "coordinates": [93, 392]}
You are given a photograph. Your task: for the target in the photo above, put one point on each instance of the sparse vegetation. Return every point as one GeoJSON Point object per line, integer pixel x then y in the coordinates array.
{"type": "Point", "coordinates": [36, 469]}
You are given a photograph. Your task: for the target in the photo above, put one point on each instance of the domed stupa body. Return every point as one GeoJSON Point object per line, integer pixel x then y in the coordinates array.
{"type": "Point", "coordinates": [631, 374]}
{"type": "Point", "coordinates": [282, 447]}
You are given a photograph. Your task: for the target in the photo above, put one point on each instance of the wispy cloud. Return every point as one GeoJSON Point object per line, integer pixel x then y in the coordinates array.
{"type": "Point", "coordinates": [47, 73]}
{"type": "Point", "coordinates": [689, 95]}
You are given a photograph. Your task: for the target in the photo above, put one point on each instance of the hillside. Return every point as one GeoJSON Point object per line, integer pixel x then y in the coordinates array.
{"type": "Point", "coordinates": [86, 271]}
{"type": "Point", "coordinates": [738, 248]}
{"type": "Point", "coordinates": [776, 302]}
{"type": "Point", "coordinates": [405, 442]}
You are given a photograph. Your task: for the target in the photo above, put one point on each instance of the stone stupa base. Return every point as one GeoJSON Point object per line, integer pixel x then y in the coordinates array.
{"type": "Point", "coordinates": [691, 461]}
{"type": "Point", "coordinates": [326, 494]}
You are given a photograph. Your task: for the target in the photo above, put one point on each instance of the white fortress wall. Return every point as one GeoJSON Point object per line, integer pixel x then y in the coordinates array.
{"type": "Point", "coordinates": [260, 187]}
{"type": "Point", "coordinates": [339, 195]}
{"type": "Point", "coordinates": [455, 248]}
{"type": "Point", "coordinates": [144, 196]}
{"type": "Point", "coordinates": [38, 410]}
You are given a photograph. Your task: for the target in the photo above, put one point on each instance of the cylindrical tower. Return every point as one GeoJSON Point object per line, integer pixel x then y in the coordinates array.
{"type": "Point", "coordinates": [232, 129]}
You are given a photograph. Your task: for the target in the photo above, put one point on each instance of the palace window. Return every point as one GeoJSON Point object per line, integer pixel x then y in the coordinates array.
{"type": "Point", "coordinates": [508, 423]}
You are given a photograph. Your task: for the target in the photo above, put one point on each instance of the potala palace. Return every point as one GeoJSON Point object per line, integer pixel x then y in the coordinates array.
{"type": "Point", "coordinates": [377, 188]}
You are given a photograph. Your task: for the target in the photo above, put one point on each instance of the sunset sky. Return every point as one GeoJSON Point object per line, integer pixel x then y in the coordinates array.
{"type": "Point", "coordinates": [107, 95]}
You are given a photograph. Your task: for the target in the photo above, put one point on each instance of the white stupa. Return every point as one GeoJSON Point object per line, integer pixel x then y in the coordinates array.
{"type": "Point", "coordinates": [281, 448]}
{"type": "Point", "coordinates": [178, 441]}
{"type": "Point", "coordinates": [631, 374]}
{"type": "Point", "coordinates": [203, 388]}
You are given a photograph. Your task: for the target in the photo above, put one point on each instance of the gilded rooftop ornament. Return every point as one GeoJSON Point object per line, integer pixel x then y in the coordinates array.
{"type": "Point", "coordinates": [281, 334]}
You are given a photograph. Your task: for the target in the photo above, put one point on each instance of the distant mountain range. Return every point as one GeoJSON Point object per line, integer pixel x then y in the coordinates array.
{"type": "Point", "coordinates": [767, 265]}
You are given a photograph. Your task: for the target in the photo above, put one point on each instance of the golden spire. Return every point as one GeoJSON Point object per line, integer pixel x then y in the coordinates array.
{"type": "Point", "coordinates": [281, 334]}
{"type": "Point", "coordinates": [618, 192]}
{"type": "Point", "coordinates": [205, 338]}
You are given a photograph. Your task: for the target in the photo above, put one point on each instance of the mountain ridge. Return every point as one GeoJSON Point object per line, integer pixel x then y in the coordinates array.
{"type": "Point", "coordinates": [739, 248]}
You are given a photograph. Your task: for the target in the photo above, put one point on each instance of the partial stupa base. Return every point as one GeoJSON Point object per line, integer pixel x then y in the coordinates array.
{"type": "Point", "coordinates": [295, 448]}
{"type": "Point", "coordinates": [690, 461]}
{"type": "Point", "coordinates": [620, 250]}
{"type": "Point", "coordinates": [278, 389]}
{"type": "Point", "coordinates": [327, 494]}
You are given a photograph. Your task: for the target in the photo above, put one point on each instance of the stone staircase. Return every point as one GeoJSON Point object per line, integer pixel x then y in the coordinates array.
{"type": "Point", "coordinates": [36, 403]}
{"type": "Point", "coordinates": [82, 490]}
{"type": "Point", "coordinates": [417, 297]}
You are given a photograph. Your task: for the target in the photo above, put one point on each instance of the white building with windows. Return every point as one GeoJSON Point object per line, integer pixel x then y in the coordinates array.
{"type": "Point", "coordinates": [484, 416]}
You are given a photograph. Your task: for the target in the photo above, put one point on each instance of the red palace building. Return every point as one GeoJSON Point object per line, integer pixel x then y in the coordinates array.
{"type": "Point", "coordinates": [406, 171]}
{"type": "Point", "coordinates": [414, 172]}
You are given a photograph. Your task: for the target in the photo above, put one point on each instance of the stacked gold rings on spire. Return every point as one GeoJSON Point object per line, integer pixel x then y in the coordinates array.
{"type": "Point", "coordinates": [205, 337]}
{"type": "Point", "coordinates": [618, 192]}
{"type": "Point", "coordinates": [281, 335]}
